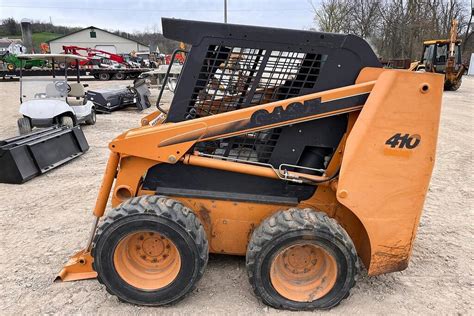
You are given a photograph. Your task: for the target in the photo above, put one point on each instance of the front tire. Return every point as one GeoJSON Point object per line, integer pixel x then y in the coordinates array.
{"type": "Point", "coordinates": [151, 250]}
{"type": "Point", "coordinates": [300, 259]}
{"type": "Point", "coordinates": [24, 125]}
{"type": "Point", "coordinates": [66, 121]}
{"type": "Point", "coordinates": [453, 86]}
{"type": "Point", "coordinates": [92, 117]}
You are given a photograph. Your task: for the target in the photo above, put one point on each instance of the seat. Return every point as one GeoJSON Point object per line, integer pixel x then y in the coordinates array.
{"type": "Point", "coordinates": [77, 94]}
{"type": "Point", "coordinates": [51, 91]}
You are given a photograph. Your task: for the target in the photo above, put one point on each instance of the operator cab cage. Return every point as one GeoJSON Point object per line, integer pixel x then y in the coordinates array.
{"type": "Point", "coordinates": [436, 53]}
{"type": "Point", "coordinates": [230, 67]}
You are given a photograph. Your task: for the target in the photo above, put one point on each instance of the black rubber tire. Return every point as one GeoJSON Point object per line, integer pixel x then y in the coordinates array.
{"type": "Point", "coordinates": [120, 76]}
{"type": "Point", "coordinates": [291, 226]}
{"type": "Point", "coordinates": [104, 76]}
{"type": "Point", "coordinates": [67, 121]}
{"type": "Point", "coordinates": [92, 118]}
{"type": "Point", "coordinates": [171, 219]}
{"type": "Point", "coordinates": [453, 87]}
{"type": "Point", "coordinates": [24, 125]}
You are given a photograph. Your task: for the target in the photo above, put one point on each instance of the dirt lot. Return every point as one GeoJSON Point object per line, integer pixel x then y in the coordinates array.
{"type": "Point", "coordinates": [44, 221]}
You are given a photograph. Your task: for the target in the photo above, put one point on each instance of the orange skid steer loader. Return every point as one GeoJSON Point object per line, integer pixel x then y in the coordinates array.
{"type": "Point", "coordinates": [292, 148]}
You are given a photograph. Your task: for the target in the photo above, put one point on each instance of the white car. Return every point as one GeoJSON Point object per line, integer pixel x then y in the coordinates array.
{"type": "Point", "coordinates": [53, 101]}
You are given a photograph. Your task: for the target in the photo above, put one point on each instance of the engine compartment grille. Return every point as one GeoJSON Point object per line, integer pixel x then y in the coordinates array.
{"type": "Point", "coordinates": [256, 147]}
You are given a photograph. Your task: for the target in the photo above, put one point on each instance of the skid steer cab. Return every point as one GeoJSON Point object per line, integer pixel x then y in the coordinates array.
{"type": "Point", "coordinates": [294, 149]}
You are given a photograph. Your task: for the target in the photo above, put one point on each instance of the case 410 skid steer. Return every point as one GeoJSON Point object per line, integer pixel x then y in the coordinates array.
{"type": "Point", "coordinates": [292, 148]}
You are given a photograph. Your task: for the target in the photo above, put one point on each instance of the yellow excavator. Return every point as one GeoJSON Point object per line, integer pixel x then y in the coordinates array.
{"type": "Point", "coordinates": [443, 56]}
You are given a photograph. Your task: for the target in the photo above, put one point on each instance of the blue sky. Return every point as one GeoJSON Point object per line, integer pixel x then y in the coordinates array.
{"type": "Point", "coordinates": [137, 15]}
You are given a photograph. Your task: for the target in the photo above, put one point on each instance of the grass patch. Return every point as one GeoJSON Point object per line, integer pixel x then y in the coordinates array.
{"type": "Point", "coordinates": [43, 37]}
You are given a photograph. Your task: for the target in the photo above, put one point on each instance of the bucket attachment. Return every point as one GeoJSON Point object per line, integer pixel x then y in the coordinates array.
{"type": "Point", "coordinates": [26, 156]}
{"type": "Point", "coordinates": [79, 267]}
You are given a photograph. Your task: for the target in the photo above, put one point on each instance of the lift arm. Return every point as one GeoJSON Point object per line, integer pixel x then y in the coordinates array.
{"type": "Point", "coordinates": [169, 142]}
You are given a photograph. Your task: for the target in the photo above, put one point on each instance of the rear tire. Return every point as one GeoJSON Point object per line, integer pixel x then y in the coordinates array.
{"type": "Point", "coordinates": [128, 254]}
{"type": "Point", "coordinates": [104, 76]}
{"type": "Point", "coordinates": [92, 118]}
{"type": "Point", "coordinates": [66, 121]}
{"type": "Point", "coordinates": [300, 259]}
{"type": "Point", "coordinates": [119, 76]}
{"type": "Point", "coordinates": [24, 125]}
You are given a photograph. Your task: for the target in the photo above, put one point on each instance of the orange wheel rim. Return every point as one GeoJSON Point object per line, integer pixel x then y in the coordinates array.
{"type": "Point", "coordinates": [147, 260]}
{"type": "Point", "coordinates": [303, 272]}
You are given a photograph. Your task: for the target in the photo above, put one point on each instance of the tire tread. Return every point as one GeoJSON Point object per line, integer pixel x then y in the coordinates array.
{"type": "Point", "coordinates": [289, 220]}
{"type": "Point", "coordinates": [159, 206]}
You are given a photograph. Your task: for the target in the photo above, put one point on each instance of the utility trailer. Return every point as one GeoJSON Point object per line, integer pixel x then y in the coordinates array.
{"type": "Point", "coordinates": [40, 72]}
{"type": "Point", "coordinates": [102, 74]}
{"type": "Point", "coordinates": [105, 74]}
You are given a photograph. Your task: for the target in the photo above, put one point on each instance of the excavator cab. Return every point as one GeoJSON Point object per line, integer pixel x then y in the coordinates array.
{"type": "Point", "coordinates": [443, 57]}
{"type": "Point", "coordinates": [436, 54]}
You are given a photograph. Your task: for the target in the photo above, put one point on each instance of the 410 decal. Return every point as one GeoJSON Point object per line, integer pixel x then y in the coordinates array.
{"type": "Point", "coordinates": [404, 141]}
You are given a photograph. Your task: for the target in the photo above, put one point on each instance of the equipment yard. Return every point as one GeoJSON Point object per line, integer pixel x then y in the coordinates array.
{"type": "Point", "coordinates": [44, 221]}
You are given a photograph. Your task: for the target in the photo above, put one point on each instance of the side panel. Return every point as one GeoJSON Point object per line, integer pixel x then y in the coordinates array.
{"type": "Point", "coordinates": [387, 163]}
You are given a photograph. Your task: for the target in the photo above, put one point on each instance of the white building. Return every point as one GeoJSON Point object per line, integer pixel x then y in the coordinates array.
{"type": "Point", "coordinates": [13, 46]}
{"type": "Point", "coordinates": [93, 37]}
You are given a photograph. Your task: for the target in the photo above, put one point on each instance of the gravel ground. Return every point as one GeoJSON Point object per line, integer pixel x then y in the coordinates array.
{"type": "Point", "coordinates": [47, 219]}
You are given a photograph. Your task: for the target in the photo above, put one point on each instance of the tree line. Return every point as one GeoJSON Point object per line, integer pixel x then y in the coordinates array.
{"type": "Point", "coordinates": [395, 28]}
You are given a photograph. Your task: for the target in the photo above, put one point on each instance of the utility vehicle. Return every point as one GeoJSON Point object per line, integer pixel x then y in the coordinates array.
{"type": "Point", "coordinates": [53, 101]}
